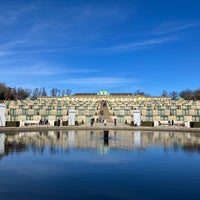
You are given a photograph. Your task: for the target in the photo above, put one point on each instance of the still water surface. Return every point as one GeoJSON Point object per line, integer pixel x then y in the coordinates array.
{"type": "Point", "coordinates": [88, 165]}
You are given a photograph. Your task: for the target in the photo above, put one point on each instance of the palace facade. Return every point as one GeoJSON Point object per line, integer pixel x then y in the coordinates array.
{"type": "Point", "coordinates": [119, 106]}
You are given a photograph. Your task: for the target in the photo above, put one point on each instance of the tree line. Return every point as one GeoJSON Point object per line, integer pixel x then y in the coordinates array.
{"type": "Point", "coordinates": [8, 93]}
{"type": "Point", "coordinates": [186, 94]}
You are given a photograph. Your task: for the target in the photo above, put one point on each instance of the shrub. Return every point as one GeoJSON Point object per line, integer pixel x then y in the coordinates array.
{"type": "Point", "coordinates": [12, 123]}
{"type": "Point", "coordinates": [55, 123]}
{"type": "Point", "coordinates": [195, 124]}
{"type": "Point", "coordinates": [147, 123]}
{"type": "Point", "coordinates": [132, 123]}
{"type": "Point", "coordinates": [65, 123]}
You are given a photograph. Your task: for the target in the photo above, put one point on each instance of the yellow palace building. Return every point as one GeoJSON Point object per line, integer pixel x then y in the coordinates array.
{"type": "Point", "coordinates": [89, 106]}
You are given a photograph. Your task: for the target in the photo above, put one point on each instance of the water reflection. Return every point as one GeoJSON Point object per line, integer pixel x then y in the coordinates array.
{"type": "Point", "coordinates": [2, 141]}
{"type": "Point", "coordinates": [95, 165]}
{"type": "Point", "coordinates": [137, 139]}
{"type": "Point", "coordinates": [71, 139]}
{"type": "Point", "coordinates": [102, 141]}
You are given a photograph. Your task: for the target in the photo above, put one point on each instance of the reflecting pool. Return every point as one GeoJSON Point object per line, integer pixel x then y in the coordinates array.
{"type": "Point", "coordinates": [99, 165]}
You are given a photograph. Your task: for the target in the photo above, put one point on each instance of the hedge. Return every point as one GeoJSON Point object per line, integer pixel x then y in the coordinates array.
{"type": "Point", "coordinates": [64, 123]}
{"type": "Point", "coordinates": [144, 123]}
{"type": "Point", "coordinates": [147, 123]}
{"type": "Point", "coordinates": [195, 124]}
{"type": "Point", "coordinates": [12, 123]}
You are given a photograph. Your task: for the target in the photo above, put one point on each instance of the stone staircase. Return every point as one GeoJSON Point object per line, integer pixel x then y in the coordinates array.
{"type": "Point", "coordinates": [105, 114]}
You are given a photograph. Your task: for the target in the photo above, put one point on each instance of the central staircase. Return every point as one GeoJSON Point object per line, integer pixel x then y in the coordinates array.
{"type": "Point", "coordinates": [104, 113]}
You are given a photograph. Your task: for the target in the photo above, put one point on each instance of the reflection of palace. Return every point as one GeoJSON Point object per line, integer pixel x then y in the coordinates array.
{"type": "Point", "coordinates": [137, 139]}
{"type": "Point", "coordinates": [65, 140]}
{"type": "Point", "coordinates": [71, 139]}
{"type": "Point", "coordinates": [2, 141]}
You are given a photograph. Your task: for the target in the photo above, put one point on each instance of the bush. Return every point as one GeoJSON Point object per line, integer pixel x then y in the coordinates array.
{"type": "Point", "coordinates": [132, 123]}
{"type": "Point", "coordinates": [76, 123]}
{"type": "Point", "coordinates": [147, 123]}
{"type": "Point", "coordinates": [56, 123]}
{"type": "Point", "coordinates": [65, 123]}
{"type": "Point", "coordinates": [12, 123]}
{"type": "Point", "coordinates": [195, 124]}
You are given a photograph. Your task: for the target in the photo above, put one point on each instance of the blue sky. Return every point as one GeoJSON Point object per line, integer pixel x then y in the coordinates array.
{"type": "Point", "coordinates": [87, 46]}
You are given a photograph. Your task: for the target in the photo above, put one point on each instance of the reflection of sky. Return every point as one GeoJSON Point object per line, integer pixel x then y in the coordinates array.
{"type": "Point", "coordinates": [80, 162]}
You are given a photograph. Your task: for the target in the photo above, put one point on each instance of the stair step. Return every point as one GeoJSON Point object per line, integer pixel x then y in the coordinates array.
{"type": "Point", "coordinates": [106, 114]}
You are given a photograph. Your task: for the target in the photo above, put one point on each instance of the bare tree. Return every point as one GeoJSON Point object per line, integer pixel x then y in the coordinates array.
{"type": "Point", "coordinates": [54, 92]}
{"type": "Point", "coordinates": [43, 92]}
{"type": "Point", "coordinates": [36, 93]}
{"type": "Point", "coordinates": [9, 94]}
{"type": "Point", "coordinates": [2, 91]}
{"type": "Point", "coordinates": [197, 94]}
{"type": "Point", "coordinates": [68, 92]}
{"type": "Point", "coordinates": [174, 95]}
{"type": "Point", "coordinates": [138, 92]}
{"type": "Point", "coordinates": [164, 93]}
{"type": "Point", "coordinates": [22, 93]}
{"type": "Point", "coordinates": [187, 94]}
{"type": "Point", "coordinates": [59, 92]}
{"type": "Point", "coordinates": [63, 93]}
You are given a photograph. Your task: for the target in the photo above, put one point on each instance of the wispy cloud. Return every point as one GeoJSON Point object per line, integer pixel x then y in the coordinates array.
{"type": "Point", "coordinates": [30, 70]}
{"type": "Point", "coordinates": [97, 81]}
{"type": "Point", "coordinates": [43, 69]}
{"type": "Point", "coordinates": [12, 44]}
{"type": "Point", "coordinates": [14, 47]}
{"type": "Point", "coordinates": [40, 26]}
{"type": "Point", "coordinates": [172, 27]}
{"type": "Point", "coordinates": [98, 12]}
{"type": "Point", "coordinates": [81, 70]}
{"type": "Point", "coordinates": [10, 15]}
{"type": "Point", "coordinates": [137, 45]}
{"type": "Point", "coordinates": [4, 53]}
{"type": "Point", "coordinates": [30, 46]}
